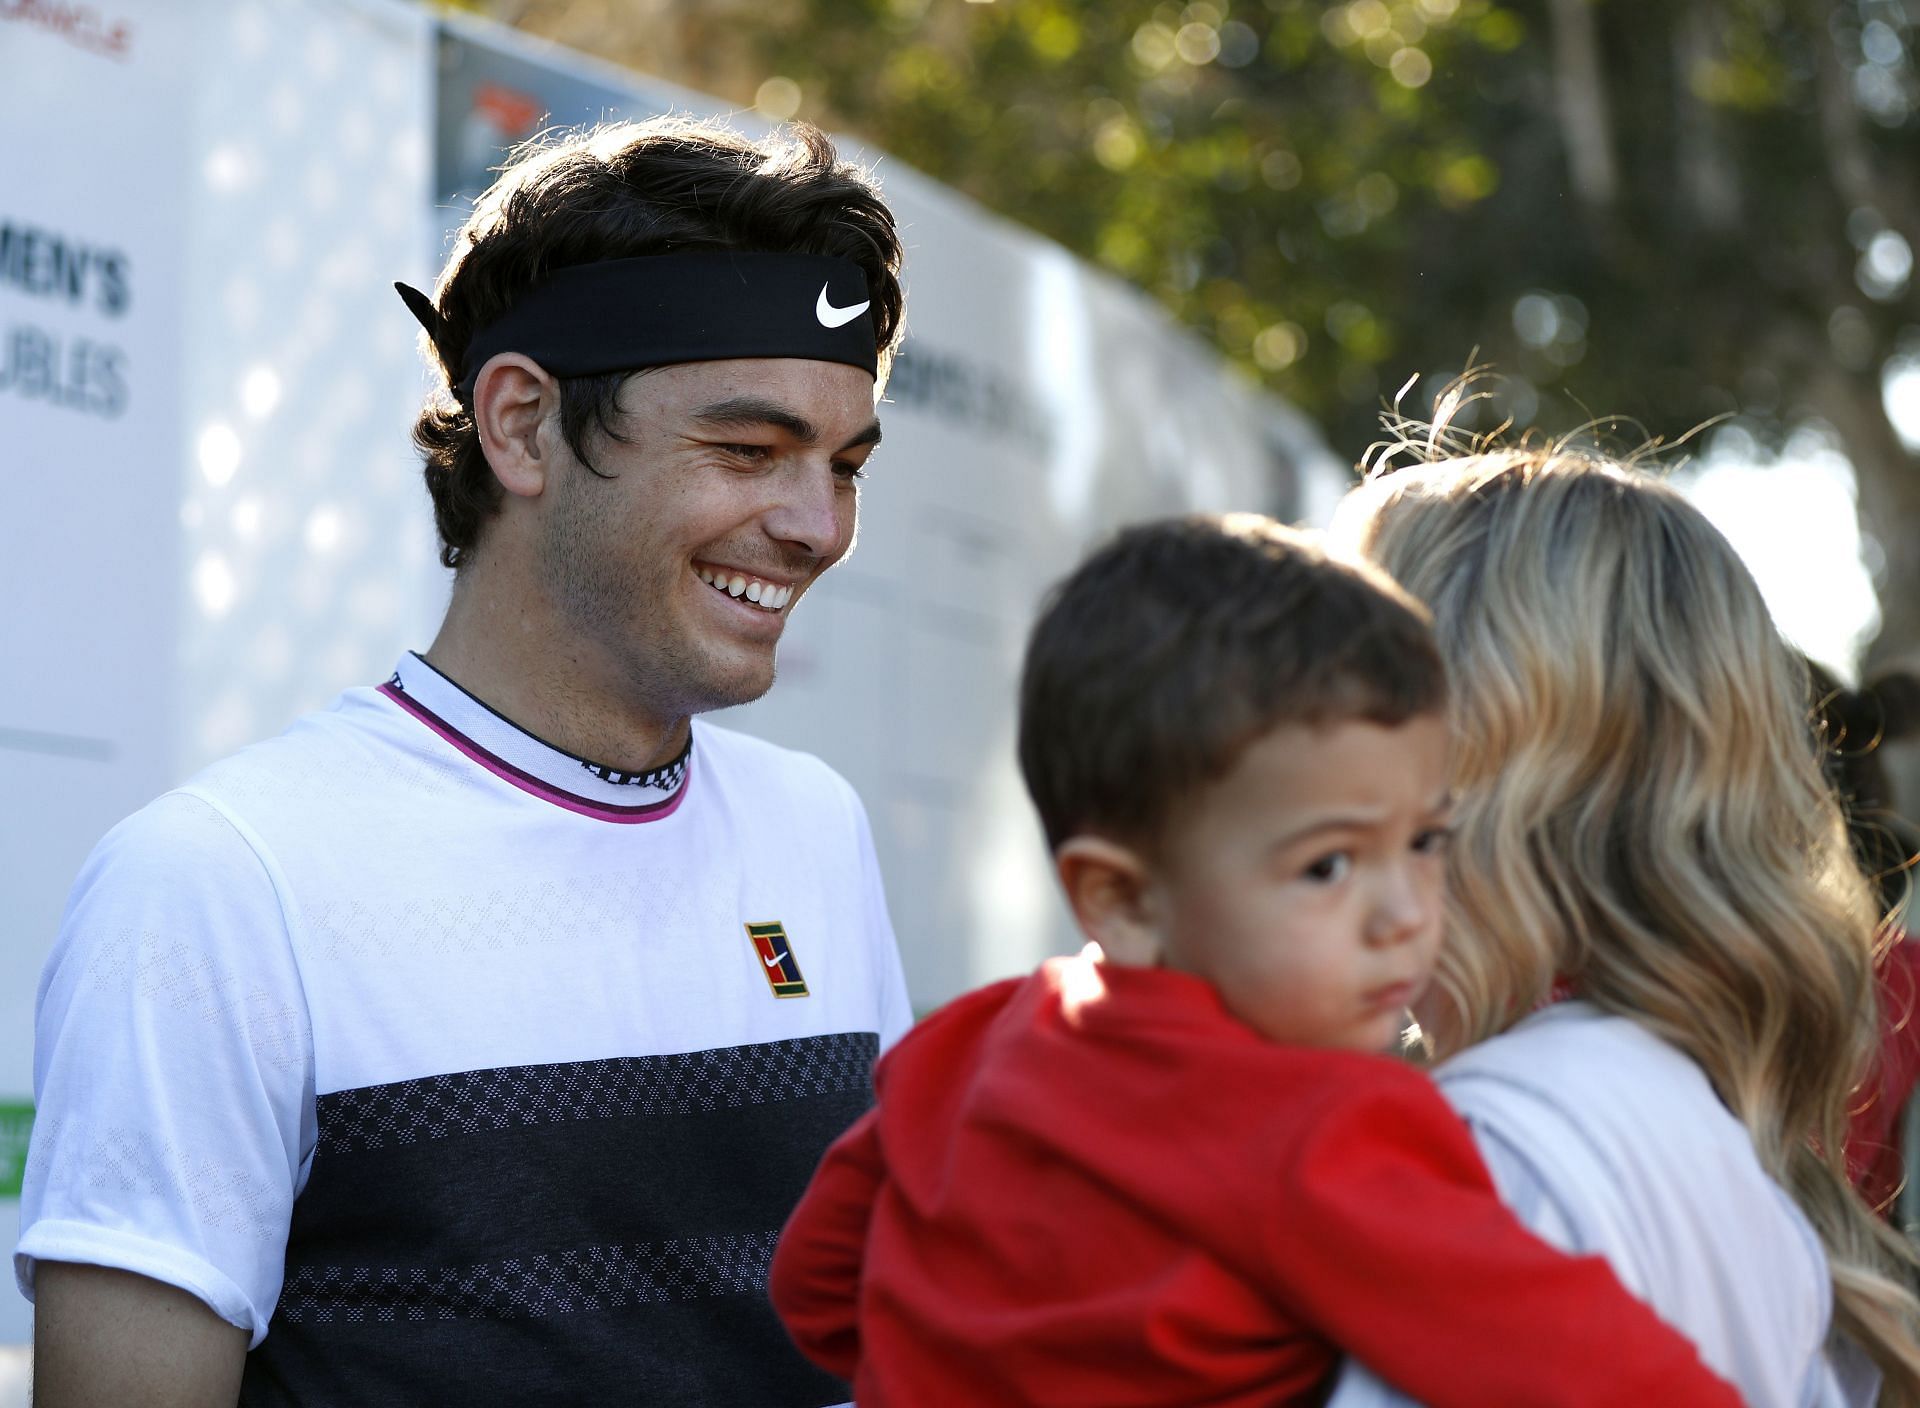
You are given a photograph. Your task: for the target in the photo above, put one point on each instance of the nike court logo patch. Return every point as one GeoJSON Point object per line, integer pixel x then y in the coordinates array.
{"type": "Point", "coordinates": [775, 951]}
{"type": "Point", "coordinates": [832, 317]}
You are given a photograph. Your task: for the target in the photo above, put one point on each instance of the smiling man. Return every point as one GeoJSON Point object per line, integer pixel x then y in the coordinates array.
{"type": "Point", "coordinates": [471, 1041]}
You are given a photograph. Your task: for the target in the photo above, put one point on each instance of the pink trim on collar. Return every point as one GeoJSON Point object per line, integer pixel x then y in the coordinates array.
{"type": "Point", "coordinates": [526, 781]}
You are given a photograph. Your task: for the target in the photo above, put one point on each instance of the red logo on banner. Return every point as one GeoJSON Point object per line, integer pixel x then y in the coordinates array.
{"type": "Point", "coordinates": [81, 25]}
{"type": "Point", "coordinates": [510, 112]}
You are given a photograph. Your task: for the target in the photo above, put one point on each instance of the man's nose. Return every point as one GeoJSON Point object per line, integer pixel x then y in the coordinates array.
{"type": "Point", "coordinates": [813, 511]}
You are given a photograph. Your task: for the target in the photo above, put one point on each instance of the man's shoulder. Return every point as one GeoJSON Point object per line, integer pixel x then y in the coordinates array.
{"type": "Point", "coordinates": [209, 826]}
{"type": "Point", "coordinates": [332, 763]}
{"type": "Point", "coordinates": [180, 832]}
{"type": "Point", "coordinates": [742, 760]}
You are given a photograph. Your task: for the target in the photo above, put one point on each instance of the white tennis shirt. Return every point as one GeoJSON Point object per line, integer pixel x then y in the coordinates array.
{"type": "Point", "coordinates": [434, 1049]}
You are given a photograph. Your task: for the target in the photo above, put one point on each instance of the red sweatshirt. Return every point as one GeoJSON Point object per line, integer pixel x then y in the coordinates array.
{"type": "Point", "coordinates": [1094, 1187]}
{"type": "Point", "coordinates": [1873, 1132]}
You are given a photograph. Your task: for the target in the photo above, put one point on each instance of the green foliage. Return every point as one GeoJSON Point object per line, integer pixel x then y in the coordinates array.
{"type": "Point", "coordinates": [1340, 195]}
{"type": "Point", "coordinates": [1665, 209]}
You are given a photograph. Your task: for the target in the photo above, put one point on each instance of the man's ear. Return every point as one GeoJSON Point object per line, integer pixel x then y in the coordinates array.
{"type": "Point", "coordinates": [1106, 887]}
{"type": "Point", "coordinates": [513, 398]}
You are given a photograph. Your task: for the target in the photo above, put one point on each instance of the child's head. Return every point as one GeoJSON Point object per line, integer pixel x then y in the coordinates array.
{"type": "Point", "coordinates": [1236, 746]}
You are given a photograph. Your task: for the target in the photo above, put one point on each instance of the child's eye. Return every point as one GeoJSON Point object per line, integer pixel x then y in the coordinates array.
{"type": "Point", "coordinates": [1330, 868]}
{"type": "Point", "coordinates": [1434, 840]}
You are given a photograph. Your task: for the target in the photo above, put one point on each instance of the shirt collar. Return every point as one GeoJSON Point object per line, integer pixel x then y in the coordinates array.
{"type": "Point", "coordinates": [518, 757]}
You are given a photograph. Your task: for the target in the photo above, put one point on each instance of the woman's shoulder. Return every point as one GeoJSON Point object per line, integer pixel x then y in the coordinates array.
{"type": "Point", "coordinates": [1607, 1114]}
{"type": "Point", "coordinates": [1575, 1045]}
{"type": "Point", "coordinates": [1606, 1139]}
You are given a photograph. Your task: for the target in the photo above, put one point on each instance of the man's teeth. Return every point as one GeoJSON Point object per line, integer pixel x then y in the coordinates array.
{"type": "Point", "coordinates": [762, 594]}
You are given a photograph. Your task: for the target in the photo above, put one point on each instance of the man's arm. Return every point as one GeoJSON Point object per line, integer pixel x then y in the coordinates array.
{"type": "Point", "coordinates": [103, 1337]}
{"type": "Point", "coordinates": [172, 1080]}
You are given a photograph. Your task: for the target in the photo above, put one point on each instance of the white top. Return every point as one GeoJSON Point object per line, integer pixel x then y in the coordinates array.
{"type": "Point", "coordinates": [409, 917]}
{"type": "Point", "coordinates": [1604, 1139]}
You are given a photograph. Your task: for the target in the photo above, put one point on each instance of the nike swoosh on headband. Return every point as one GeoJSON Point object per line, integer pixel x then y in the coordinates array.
{"type": "Point", "coordinates": [697, 305]}
{"type": "Point", "coordinates": [832, 317]}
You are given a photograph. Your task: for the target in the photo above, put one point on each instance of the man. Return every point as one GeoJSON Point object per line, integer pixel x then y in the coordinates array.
{"type": "Point", "coordinates": [471, 1041]}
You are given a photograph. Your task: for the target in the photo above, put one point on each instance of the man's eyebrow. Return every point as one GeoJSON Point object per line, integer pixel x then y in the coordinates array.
{"type": "Point", "coordinates": [869, 436]}
{"type": "Point", "coordinates": [741, 411]}
{"type": "Point", "coordinates": [758, 410]}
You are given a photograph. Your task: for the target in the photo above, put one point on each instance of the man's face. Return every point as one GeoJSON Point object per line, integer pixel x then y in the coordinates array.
{"type": "Point", "coordinates": [732, 489]}
{"type": "Point", "coordinates": [1306, 885]}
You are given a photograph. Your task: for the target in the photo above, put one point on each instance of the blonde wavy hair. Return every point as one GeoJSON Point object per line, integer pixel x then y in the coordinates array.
{"type": "Point", "coordinates": [1642, 812]}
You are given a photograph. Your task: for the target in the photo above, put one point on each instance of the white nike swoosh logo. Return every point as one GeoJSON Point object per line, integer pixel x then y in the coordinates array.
{"type": "Point", "coordinates": [832, 317]}
{"type": "Point", "coordinates": [774, 962]}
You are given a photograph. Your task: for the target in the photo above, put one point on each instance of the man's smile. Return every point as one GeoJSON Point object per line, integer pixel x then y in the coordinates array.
{"type": "Point", "coordinates": [743, 586]}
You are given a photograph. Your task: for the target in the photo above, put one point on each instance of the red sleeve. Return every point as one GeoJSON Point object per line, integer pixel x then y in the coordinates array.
{"type": "Point", "coordinates": [815, 1278]}
{"type": "Point", "coordinates": [1390, 1239]}
{"type": "Point", "coordinates": [1873, 1129]}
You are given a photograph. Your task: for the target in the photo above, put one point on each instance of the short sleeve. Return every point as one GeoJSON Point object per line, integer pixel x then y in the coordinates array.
{"type": "Point", "coordinates": [172, 1068]}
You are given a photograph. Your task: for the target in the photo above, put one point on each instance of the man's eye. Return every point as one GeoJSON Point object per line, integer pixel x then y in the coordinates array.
{"type": "Point", "coordinates": [756, 453]}
{"type": "Point", "coordinates": [848, 472]}
{"type": "Point", "coordinates": [1330, 868]}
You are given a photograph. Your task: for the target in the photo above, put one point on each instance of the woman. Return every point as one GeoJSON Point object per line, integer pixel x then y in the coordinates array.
{"type": "Point", "coordinates": [1658, 985]}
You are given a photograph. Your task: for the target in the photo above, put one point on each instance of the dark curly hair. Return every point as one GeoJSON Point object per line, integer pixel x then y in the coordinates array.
{"type": "Point", "coordinates": [619, 191]}
{"type": "Point", "coordinates": [1854, 724]}
{"type": "Point", "coordinates": [1167, 652]}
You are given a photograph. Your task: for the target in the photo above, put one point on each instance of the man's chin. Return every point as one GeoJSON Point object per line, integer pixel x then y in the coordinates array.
{"type": "Point", "coordinates": [729, 689]}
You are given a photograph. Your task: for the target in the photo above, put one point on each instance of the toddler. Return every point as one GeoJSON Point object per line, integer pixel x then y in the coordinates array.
{"type": "Point", "coordinates": [1182, 1168]}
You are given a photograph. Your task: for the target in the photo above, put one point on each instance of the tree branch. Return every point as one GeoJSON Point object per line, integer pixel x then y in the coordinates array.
{"type": "Point", "coordinates": [1580, 95]}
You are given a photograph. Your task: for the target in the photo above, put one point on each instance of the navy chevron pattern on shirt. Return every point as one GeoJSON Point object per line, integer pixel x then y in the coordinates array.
{"type": "Point", "coordinates": [592, 1231]}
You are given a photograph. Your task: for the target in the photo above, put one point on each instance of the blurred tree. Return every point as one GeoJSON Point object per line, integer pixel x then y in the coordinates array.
{"type": "Point", "coordinates": [1668, 209]}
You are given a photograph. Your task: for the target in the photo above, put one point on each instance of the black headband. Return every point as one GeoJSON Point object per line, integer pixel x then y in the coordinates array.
{"type": "Point", "coordinates": [699, 306]}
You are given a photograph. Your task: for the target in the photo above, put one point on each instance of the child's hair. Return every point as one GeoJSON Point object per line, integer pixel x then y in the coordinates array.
{"type": "Point", "coordinates": [1181, 642]}
{"type": "Point", "coordinates": [1855, 723]}
{"type": "Point", "coordinates": [1642, 812]}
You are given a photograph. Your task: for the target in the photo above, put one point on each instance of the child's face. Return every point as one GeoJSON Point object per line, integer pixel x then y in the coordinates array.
{"type": "Point", "coordinates": [1306, 885]}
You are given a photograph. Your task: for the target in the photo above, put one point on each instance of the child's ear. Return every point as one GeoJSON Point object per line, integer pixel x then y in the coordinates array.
{"type": "Point", "coordinates": [1106, 887]}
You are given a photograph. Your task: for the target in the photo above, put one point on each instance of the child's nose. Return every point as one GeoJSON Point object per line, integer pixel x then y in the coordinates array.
{"type": "Point", "coordinates": [1404, 906]}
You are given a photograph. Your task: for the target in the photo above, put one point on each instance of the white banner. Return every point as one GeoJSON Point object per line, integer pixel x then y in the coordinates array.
{"type": "Point", "coordinates": [214, 517]}
{"type": "Point", "coordinates": [93, 218]}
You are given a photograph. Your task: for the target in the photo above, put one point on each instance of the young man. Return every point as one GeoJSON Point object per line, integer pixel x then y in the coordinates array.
{"type": "Point", "coordinates": [471, 1041]}
{"type": "Point", "coordinates": [1178, 1169]}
